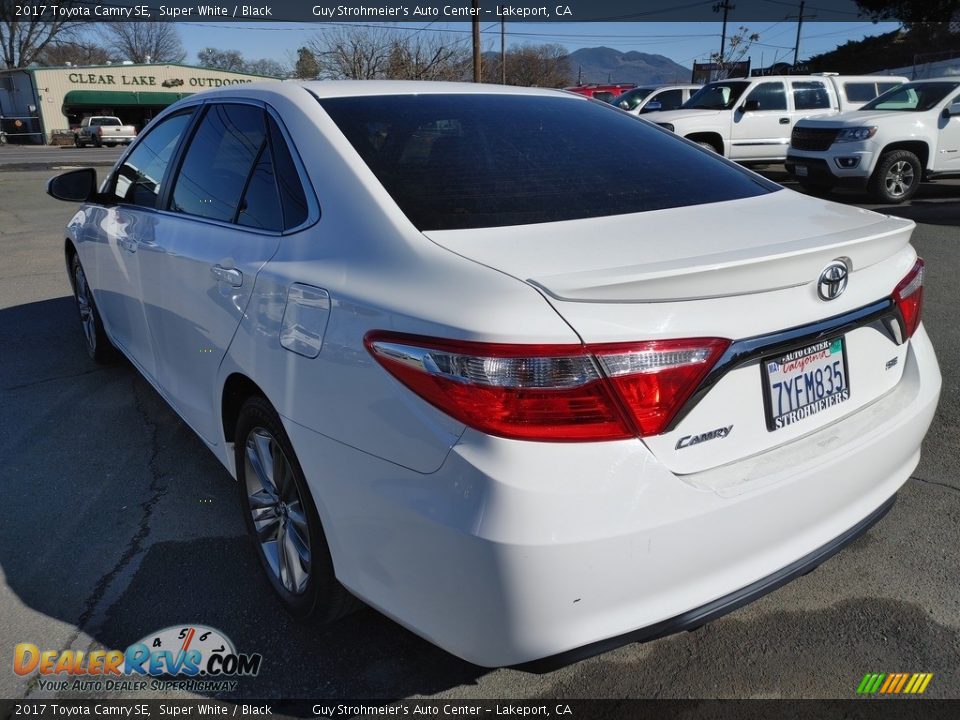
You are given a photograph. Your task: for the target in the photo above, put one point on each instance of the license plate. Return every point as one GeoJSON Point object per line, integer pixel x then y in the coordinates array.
{"type": "Point", "coordinates": [804, 382]}
{"type": "Point", "coordinates": [801, 170]}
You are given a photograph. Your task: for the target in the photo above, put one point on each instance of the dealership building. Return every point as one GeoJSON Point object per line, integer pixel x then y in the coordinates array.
{"type": "Point", "coordinates": [38, 102]}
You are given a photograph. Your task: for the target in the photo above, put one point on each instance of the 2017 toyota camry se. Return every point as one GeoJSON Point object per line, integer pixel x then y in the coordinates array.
{"type": "Point", "coordinates": [525, 401]}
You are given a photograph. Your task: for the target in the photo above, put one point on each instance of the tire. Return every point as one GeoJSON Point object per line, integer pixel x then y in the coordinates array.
{"type": "Point", "coordinates": [99, 347]}
{"type": "Point", "coordinates": [76, 141]}
{"type": "Point", "coordinates": [280, 514]}
{"type": "Point", "coordinates": [97, 142]}
{"type": "Point", "coordinates": [708, 145]}
{"type": "Point", "coordinates": [896, 177]}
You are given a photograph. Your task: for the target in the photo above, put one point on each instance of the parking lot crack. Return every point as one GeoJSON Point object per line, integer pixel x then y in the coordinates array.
{"type": "Point", "coordinates": [934, 482]}
{"type": "Point", "coordinates": [41, 381]}
{"type": "Point", "coordinates": [156, 489]}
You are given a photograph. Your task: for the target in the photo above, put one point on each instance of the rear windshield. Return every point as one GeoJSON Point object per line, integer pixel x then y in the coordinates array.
{"type": "Point", "coordinates": [105, 121]}
{"type": "Point", "coordinates": [716, 96]}
{"type": "Point", "coordinates": [630, 99]}
{"type": "Point", "coordinates": [455, 161]}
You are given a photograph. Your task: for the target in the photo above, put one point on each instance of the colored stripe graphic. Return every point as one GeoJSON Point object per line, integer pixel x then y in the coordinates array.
{"type": "Point", "coordinates": [894, 683]}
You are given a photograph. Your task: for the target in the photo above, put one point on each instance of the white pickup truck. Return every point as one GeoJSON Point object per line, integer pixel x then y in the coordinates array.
{"type": "Point", "coordinates": [103, 130]}
{"type": "Point", "coordinates": [888, 145]}
{"type": "Point", "coordinates": [750, 119]}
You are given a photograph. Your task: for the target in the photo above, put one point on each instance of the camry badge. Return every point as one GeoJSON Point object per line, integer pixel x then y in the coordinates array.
{"type": "Point", "coordinates": [833, 280]}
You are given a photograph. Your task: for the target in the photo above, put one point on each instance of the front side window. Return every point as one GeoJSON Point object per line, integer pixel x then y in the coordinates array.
{"type": "Point", "coordinates": [810, 95]}
{"type": "Point", "coordinates": [913, 97]}
{"type": "Point", "coordinates": [716, 96]}
{"type": "Point", "coordinates": [769, 96]}
{"type": "Point", "coordinates": [216, 166]}
{"type": "Point", "coordinates": [455, 161]}
{"type": "Point", "coordinates": [137, 181]}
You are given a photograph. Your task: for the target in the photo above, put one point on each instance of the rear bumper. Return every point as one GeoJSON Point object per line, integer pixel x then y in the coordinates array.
{"type": "Point", "coordinates": [513, 552]}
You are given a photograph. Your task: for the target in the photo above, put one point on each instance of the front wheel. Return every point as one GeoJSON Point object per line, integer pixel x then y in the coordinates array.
{"type": "Point", "coordinates": [99, 347]}
{"type": "Point", "coordinates": [282, 518]}
{"type": "Point", "coordinates": [896, 177]}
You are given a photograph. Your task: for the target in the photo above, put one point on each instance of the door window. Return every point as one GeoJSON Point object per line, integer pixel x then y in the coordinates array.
{"type": "Point", "coordinates": [137, 181]}
{"type": "Point", "coordinates": [223, 152]}
{"type": "Point", "coordinates": [769, 95]}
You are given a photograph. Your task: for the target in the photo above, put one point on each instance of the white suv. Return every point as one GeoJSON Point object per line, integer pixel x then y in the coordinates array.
{"type": "Point", "coordinates": [750, 119]}
{"type": "Point", "coordinates": [889, 145]}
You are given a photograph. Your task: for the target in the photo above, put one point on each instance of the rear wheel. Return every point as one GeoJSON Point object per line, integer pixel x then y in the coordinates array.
{"type": "Point", "coordinates": [97, 142]}
{"type": "Point", "coordinates": [99, 347]}
{"type": "Point", "coordinates": [896, 177]}
{"type": "Point", "coordinates": [282, 518]}
{"type": "Point", "coordinates": [76, 141]}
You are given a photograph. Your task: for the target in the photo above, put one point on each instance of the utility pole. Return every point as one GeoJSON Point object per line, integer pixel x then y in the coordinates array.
{"type": "Point", "coordinates": [726, 7]}
{"type": "Point", "coordinates": [796, 47]}
{"type": "Point", "coordinates": [476, 41]}
{"type": "Point", "coordinates": [503, 49]}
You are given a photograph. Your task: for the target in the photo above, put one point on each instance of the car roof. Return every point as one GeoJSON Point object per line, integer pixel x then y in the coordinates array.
{"type": "Point", "coordinates": [366, 88]}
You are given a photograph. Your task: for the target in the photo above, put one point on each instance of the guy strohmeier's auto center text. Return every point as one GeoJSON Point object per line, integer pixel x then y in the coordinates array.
{"type": "Point", "coordinates": [203, 10]}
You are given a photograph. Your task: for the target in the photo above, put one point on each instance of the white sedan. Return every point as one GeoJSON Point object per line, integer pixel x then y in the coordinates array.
{"type": "Point", "coordinates": [526, 402]}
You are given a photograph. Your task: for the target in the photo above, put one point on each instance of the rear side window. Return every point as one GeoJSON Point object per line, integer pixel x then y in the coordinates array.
{"type": "Point", "coordinates": [669, 99]}
{"type": "Point", "coordinates": [603, 96]}
{"type": "Point", "coordinates": [860, 91]}
{"type": "Point", "coordinates": [770, 96]}
{"type": "Point", "coordinates": [454, 161]}
{"type": "Point", "coordinates": [292, 196]}
{"type": "Point", "coordinates": [810, 95]}
{"type": "Point", "coordinates": [137, 181]}
{"type": "Point", "coordinates": [215, 169]}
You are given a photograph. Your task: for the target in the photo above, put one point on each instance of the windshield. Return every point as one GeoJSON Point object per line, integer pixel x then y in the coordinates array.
{"type": "Point", "coordinates": [454, 161]}
{"type": "Point", "coordinates": [629, 100]}
{"type": "Point", "coordinates": [716, 96]}
{"type": "Point", "coordinates": [912, 97]}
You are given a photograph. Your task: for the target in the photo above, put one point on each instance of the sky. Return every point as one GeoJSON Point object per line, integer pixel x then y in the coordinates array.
{"type": "Point", "coordinates": [681, 42]}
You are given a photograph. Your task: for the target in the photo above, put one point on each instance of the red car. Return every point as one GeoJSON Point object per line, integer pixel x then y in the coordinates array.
{"type": "Point", "coordinates": [602, 92]}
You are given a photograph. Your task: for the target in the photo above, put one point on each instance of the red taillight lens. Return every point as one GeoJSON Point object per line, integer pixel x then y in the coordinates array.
{"type": "Point", "coordinates": [551, 392]}
{"type": "Point", "coordinates": [909, 298]}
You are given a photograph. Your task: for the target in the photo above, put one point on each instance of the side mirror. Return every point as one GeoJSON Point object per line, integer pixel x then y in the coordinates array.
{"type": "Point", "coordinates": [652, 106]}
{"type": "Point", "coordinates": [750, 106]}
{"type": "Point", "coordinates": [74, 186]}
{"type": "Point", "coordinates": [951, 111]}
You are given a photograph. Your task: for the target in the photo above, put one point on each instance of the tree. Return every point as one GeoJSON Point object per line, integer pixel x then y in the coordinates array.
{"type": "Point", "coordinates": [307, 67]}
{"type": "Point", "coordinates": [23, 41]}
{"type": "Point", "coordinates": [370, 53]}
{"type": "Point", "coordinates": [912, 12]}
{"type": "Point", "coordinates": [221, 59]}
{"type": "Point", "coordinates": [738, 45]}
{"type": "Point", "coordinates": [267, 66]}
{"type": "Point", "coordinates": [531, 66]}
{"type": "Point", "coordinates": [78, 52]}
{"type": "Point", "coordinates": [145, 42]}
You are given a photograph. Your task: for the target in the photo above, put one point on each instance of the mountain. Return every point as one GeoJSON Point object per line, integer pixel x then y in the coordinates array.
{"type": "Point", "coordinates": [603, 64]}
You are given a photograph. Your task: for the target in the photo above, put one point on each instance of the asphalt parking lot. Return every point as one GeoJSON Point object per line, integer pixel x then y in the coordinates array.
{"type": "Point", "coordinates": [118, 522]}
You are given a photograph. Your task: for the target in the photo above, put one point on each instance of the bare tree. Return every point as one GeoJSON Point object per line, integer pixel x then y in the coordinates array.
{"type": "Point", "coordinates": [738, 45]}
{"type": "Point", "coordinates": [267, 66]}
{"type": "Point", "coordinates": [370, 53]}
{"type": "Point", "coordinates": [142, 42]}
{"type": "Point", "coordinates": [544, 65]}
{"type": "Point", "coordinates": [78, 52]}
{"type": "Point", "coordinates": [24, 40]}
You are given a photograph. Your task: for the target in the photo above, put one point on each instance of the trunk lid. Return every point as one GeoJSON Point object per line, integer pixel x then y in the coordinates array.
{"type": "Point", "coordinates": [737, 270]}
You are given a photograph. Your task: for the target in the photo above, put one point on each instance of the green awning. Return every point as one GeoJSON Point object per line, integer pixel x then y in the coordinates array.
{"type": "Point", "coordinates": [113, 98]}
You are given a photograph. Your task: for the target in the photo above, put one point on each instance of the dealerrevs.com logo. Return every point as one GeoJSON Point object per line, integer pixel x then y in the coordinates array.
{"type": "Point", "coordinates": [193, 657]}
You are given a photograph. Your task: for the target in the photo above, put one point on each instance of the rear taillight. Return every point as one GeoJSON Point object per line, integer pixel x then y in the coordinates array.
{"type": "Point", "coordinates": [551, 392]}
{"type": "Point", "coordinates": [909, 298]}
{"type": "Point", "coordinates": [99, 131]}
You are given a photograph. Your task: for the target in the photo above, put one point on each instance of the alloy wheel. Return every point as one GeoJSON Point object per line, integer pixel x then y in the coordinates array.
{"type": "Point", "coordinates": [85, 305]}
{"type": "Point", "coordinates": [900, 178]}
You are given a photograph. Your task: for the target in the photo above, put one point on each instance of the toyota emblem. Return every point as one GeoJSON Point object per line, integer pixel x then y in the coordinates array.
{"type": "Point", "coordinates": [833, 280]}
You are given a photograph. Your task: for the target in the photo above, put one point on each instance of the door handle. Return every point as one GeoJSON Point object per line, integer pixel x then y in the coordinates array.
{"type": "Point", "coordinates": [129, 245]}
{"type": "Point", "coordinates": [228, 275]}
{"type": "Point", "coordinates": [784, 121]}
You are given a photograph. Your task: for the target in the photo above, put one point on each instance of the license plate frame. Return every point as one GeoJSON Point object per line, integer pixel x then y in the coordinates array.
{"type": "Point", "coordinates": [801, 170]}
{"type": "Point", "coordinates": [835, 344]}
